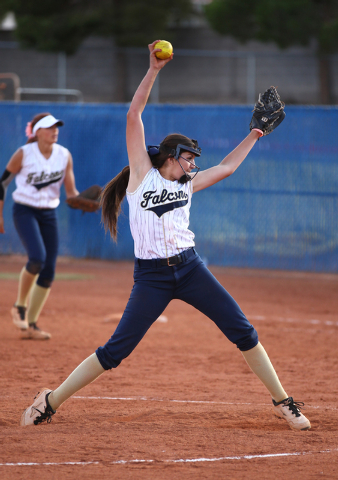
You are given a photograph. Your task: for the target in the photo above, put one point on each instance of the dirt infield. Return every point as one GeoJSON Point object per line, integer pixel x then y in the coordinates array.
{"type": "Point", "coordinates": [184, 405]}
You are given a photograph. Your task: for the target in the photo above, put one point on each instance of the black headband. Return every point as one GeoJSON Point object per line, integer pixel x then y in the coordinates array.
{"type": "Point", "coordinates": [155, 150]}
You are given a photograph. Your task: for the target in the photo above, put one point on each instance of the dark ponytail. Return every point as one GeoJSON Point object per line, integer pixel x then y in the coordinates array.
{"type": "Point", "coordinates": [111, 199]}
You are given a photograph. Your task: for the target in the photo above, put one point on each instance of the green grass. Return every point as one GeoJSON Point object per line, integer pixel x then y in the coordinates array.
{"type": "Point", "coordinates": [58, 276]}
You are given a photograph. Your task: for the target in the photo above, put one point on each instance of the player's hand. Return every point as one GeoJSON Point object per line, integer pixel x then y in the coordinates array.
{"type": "Point", "coordinates": [2, 227]}
{"type": "Point", "coordinates": [155, 62]}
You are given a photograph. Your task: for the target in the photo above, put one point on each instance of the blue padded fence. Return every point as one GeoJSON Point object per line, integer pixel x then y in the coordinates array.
{"type": "Point", "coordinates": [278, 210]}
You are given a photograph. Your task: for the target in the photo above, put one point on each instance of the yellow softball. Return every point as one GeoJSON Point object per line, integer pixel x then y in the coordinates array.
{"type": "Point", "coordinates": [166, 47]}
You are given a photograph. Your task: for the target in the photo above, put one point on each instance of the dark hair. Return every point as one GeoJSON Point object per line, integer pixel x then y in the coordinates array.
{"type": "Point", "coordinates": [115, 191]}
{"type": "Point", "coordinates": [33, 122]}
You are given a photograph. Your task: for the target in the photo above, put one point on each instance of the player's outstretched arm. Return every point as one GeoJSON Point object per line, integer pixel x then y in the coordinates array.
{"type": "Point", "coordinates": [69, 181]}
{"type": "Point", "coordinates": [139, 160]}
{"type": "Point", "coordinates": [228, 165]}
{"type": "Point", "coordinates": [268, 113]}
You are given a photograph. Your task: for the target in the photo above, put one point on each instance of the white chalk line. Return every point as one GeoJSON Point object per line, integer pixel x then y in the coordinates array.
{"type": "Point", "coordinates": [150, 399]}
{"type": "Point", "coordinates": [147, 399]}
{"type": "Point", "coordinates": [313, 321]}
{"type": "Point", "coordinates": [179, 460]}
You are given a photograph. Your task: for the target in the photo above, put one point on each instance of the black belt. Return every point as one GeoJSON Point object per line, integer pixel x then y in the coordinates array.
{"type": "Point", "coordinates": [169, 262]}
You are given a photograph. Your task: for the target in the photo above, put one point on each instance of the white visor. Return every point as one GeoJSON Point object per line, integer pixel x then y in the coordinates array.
{"type": "Point", "coordinates": [47, 122]}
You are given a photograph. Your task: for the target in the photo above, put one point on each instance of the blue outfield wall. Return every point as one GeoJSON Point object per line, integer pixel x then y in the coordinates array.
{"type": "Point", "coordinates": [278, 210]}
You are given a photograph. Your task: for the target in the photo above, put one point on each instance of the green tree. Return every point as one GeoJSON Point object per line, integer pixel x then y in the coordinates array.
{"type": "Point", "coordinates": [53, 26]}
{"type": "Point", "coordinates": [285, 22]}
{"type": "Point", "coordinates": [61, 26]}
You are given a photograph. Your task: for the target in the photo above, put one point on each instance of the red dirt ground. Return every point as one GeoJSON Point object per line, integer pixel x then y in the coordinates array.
{"type": "Point", "coordinates": [184, 405]}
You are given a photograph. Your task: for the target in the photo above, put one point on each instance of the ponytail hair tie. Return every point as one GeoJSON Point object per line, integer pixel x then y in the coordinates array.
{"type": "Point", "coordinates": [29, 130]}
{"type": "Point", "coordinates": [153, 150]}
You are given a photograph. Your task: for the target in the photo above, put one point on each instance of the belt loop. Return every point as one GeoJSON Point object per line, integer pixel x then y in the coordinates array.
{"type": "Point", "coordinates": [138, 261]}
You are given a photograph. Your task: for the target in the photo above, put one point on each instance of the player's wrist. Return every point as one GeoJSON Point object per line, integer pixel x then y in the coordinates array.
{"type": "Point", "coordinates": [260, 132]}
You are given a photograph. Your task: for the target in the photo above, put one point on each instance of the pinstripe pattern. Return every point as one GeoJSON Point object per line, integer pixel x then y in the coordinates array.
{"type": "Point", "coordinates": [39, 181]}
{"type": "Point", "coordinates": [159, 217]}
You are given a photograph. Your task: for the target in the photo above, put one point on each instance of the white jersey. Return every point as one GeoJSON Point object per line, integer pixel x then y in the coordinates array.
{"type": "Point", "coordinates": [39, 181]}
{"type": "Point", "coordinates": [159, 217]}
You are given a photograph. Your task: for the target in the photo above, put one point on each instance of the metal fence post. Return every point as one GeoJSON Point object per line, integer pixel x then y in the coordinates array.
{"type": "Point", "coordinates": [251, 79]}
{"type": "Point", "coordinates": [62, 72]}
{"type": "Point", "coordinates": [155, 91]}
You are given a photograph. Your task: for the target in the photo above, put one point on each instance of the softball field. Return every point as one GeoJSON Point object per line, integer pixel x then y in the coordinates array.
{"type": "Point", "coordinates": [184, 405]}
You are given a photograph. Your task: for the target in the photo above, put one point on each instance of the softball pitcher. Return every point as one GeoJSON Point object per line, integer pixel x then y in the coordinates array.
{"type": "Point", "coordinates": [40, 168]}
{"type": "Point", "coordinates": [159, 185]}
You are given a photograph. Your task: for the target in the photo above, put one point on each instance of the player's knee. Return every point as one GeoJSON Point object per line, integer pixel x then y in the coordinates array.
{"type": "Point", "coordinates": [45, 282]}
{"type": "Point", "coordinates": [34, 266]}
{"type": "Point", "coordinates": [107, 361]}
{"type": "Point", "coordinates": [248, 341]}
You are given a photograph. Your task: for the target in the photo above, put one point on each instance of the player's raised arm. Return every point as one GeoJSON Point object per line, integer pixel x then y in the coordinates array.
{"type": "Point", "coordinates": [139, 161]}
{"type": "Point", "coordinates": [228, 165]}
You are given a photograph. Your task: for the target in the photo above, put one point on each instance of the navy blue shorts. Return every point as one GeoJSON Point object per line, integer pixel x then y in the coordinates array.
{"type": "Point", "coordinates": [155, 286]}
{"type": "Point", "coordinates": [38, 232]}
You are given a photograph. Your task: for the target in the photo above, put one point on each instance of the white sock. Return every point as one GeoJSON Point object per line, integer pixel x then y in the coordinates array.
{"type": "Point", "coordinates": [88, 371]}
{"type": "Point", "coordinates": [26, 281]}
{"type": "Point", "coordinates": [37, 299]}
{"type": "Point", "coordinates": [260, 364]}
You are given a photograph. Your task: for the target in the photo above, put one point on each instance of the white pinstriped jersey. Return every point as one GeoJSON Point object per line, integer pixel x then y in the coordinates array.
{"type": "Point", "coordinates": [159, 217]}
{"type": "Point", "coordinates": [39, 181]}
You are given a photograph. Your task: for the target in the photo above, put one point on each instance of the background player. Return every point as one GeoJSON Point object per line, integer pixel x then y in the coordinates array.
{"type": "Point", "coordinates": [40, 168]}
{"type": "Point", "coordinates": [159, 186]}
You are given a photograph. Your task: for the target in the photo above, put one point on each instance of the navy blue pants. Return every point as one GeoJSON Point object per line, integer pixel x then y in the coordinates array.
{"type": "Point", "coordinates": [155, 286]}
{"type": "Point", "coordinates": [38, 232]}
